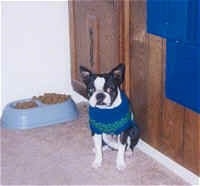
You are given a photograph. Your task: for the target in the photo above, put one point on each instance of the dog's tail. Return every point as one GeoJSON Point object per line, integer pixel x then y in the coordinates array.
{"type": "Point", "coordinates": [110, 141]}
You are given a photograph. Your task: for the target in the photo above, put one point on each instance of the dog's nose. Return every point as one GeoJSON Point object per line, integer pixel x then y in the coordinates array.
{"type": "Point", "coordinates": [100, 97]}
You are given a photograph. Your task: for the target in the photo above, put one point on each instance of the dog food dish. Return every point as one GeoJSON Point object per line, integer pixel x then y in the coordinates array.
{"type": "Point", "coordinates": [39, 111]}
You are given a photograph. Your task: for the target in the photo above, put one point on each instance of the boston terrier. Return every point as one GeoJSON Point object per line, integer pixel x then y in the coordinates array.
{"type": "Point", "coordinates": [110, 114]}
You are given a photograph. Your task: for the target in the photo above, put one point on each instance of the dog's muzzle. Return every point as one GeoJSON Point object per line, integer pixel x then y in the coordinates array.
{"type": "Point", "coordinates": [100, 98]}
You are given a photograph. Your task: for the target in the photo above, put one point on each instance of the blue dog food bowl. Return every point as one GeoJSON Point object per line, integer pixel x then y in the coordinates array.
{"type": "Point", "coordinates": [42, 115]}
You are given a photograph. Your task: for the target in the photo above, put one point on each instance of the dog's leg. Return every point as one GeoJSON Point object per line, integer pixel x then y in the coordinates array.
{"type": "Point", "coordinates": [98, 151]}
{"type": "Point", "coordinates": [120, 155]}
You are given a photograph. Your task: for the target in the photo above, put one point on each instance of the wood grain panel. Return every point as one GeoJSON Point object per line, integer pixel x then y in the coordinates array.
{"type": "Point", "coordinates": [171, 126]}
{"type": "Point", "coordinates": [93, 40]}
{"type": "Point", "coordinates": [154, 87]}
{"type": "Point", "coordinates": [191, 138]}
{"type": "Point", "coordinates": [85, 19]}
{"type": "Point", "coordinates": [171, 130]}
{"type": "Point", "coordinates": [126, 45]}
{"type": "Point", "coordinates": [138, 66]}
{"type": "Point", "coordinates": [108, 15]}
{"type": "Point", "coordinates": [72, 40]}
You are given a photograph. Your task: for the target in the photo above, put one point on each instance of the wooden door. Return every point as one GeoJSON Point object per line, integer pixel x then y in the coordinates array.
{"type": "Point", "coordinates": [96, 36]}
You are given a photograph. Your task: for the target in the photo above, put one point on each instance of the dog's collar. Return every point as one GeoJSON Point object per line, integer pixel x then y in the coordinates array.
{"type": "Point", "coordinates": [111, 121]}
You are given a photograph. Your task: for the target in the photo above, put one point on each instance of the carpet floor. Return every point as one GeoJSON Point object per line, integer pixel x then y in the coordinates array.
{"type": "Point", "coordinates": [62, 155]}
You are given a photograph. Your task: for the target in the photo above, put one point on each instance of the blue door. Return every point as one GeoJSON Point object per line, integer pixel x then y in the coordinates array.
{"type": "Point", "coordinates": [174, 19]}
{"type": "Point", "coordinates": [157, 17]}
{"type": "Point", "coordinates": [177, 19]}
{"type": "Point", "coordinates": [183, 74]}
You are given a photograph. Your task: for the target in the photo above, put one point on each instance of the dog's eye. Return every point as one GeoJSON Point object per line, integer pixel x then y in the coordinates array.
{"type": "Point", "coordinates": [109, 89]}
{"type": "Point", "coordinates": [91, 90]}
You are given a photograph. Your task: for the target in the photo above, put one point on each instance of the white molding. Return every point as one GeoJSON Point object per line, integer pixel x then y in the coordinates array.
{"type": "Point", "coordinates": [176, 168]}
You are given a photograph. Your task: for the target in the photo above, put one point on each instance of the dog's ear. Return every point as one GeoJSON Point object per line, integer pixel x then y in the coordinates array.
{"type": "Point", "coordinates": [118, 73]}
{"type": "Point", "coordinates": [85, 74]}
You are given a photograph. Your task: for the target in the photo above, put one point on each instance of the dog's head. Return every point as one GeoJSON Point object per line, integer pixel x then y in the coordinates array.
{"type": "Point", "coordinates": [103, 90]}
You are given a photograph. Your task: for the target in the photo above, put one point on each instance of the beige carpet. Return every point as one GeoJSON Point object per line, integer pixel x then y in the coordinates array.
{"type": "Point", "coordinates": [62, 155]}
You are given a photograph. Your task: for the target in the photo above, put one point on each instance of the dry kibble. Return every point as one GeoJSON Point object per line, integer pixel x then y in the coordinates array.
{"type": "Point", "coordinates": [52, 98]}
{"type": "Point", "coordinates": [25, 105]}
{"type": "Point", "coordinates": [47, 98]}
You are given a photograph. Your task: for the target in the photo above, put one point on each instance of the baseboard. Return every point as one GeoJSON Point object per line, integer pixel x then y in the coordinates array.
{"type": "Point", "coordinates": [179, 170]}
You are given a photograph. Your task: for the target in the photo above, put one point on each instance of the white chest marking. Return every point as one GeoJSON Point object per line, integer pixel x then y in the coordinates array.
{"type": "Point", "coordinates": [99, 83]}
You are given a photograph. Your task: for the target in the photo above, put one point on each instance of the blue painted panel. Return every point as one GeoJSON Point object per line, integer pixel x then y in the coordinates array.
{"type": "Point", "coordinates": [198, 22]}
{"type": "Point", "coordinates": [183, 74]}
{"type": "Point", "coordinates": [157, 17]}
{"type": "Point", "coordinates": [193, 27]}
{"type": "Point", "coordinates": [177, 19]}
{"type": "Point", "coordinates": [174, 19]}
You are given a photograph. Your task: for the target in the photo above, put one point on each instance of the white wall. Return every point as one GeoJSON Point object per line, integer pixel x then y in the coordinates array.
{"type": "Point", "coordinates": [35, 50]}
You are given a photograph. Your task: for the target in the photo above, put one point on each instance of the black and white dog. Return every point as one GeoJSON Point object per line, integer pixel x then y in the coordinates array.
{"type": "Point", "coordinates": [110, 114]}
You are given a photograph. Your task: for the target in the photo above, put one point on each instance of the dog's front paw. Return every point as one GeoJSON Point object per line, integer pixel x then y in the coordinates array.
{"type": "Point", "coordinates": [121, 165]}
{"type": "Point", "coordinates": [96, 163]}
